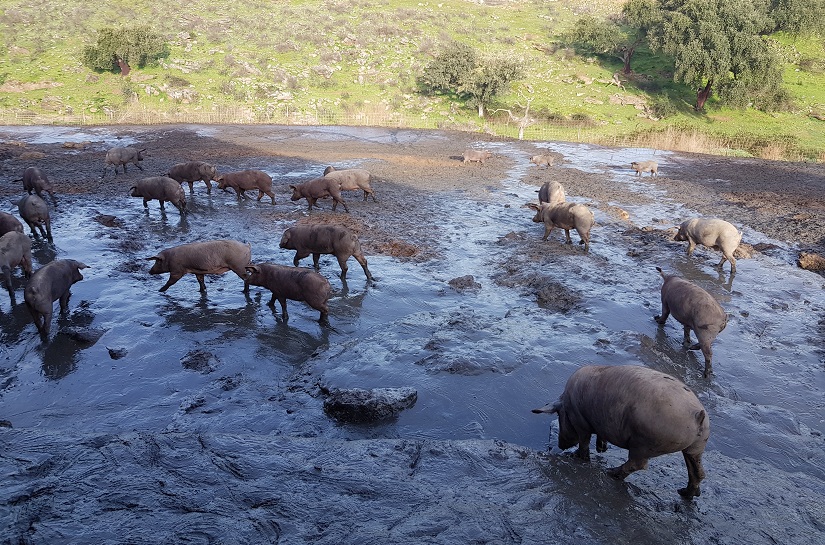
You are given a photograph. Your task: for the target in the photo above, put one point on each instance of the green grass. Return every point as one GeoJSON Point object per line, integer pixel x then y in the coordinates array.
{"type": "Point", "coordinates": [356, 62]}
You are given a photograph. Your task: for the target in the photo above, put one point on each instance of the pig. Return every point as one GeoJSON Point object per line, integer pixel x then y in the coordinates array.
{"type": "Point", "coordinates": [290, 283]}
{"type": "Point", "coordinates": [161, 188]}
{"type": "Point", "coordinates": [645, 166]}
{"type": "Point", "coordinates": [15, 251]}
{"type": "Point", "coordinates": [36, 180]}
{"type": "Point", "coordinates": [48, 284]}
{"type": "Point", "coordinates": [567, 216]}
{"type": "Point", "coordinates": [714, 233]}
{"type": "Point", "coordinates": [478, 156]}
{"type": "Point", "coordinates": [9, 223]}
{"type": "Point", "coordinates": [319, 188]}
{"type": "Point", "coordinates": [324, 239]}
{"type": "Point", "coordinates": [247, 180]}
{"type": "Point", "coordinates": [647, 412]}
{"type": "Point", "coordinates": [191, 172]}
{"type": "Point", "coordinates": [35, 212]}
{"type": "Point", "coordinates": [552, 193]}
{"type": "Point", "coordinates": [539, 160]}
{"type": "Point", "coordinates": [696, 310]}
{"type": "Point", "coordinates": [353, 179]}
{"type": "Point", "coordinates": [201, 258]}
{"type": "Point", "coordinates": [118, 156]}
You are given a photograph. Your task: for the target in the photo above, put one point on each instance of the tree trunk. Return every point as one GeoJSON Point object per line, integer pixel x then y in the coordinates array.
{"type": "Point", "coordinates": [124, 67]}
{"type": "Point", "coordinates": [480, 109]}
{"type": "Point", "coordinates": [627, 54]}
{"type": "Point", "coordinates": [702, 95]}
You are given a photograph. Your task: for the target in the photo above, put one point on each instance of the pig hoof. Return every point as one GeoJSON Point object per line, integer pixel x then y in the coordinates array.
{"type": "Point", "coordinates": [689, 492]}
{"type": "Point", "coordinates": [695, 346]}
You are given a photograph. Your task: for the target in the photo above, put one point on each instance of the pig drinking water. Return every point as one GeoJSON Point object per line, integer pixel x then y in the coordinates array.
{"type": "Point", "coordinates": [714, 233]}
{"type": "Point", "coordinates": [647, 412]}
{"type": "Point", "coordinates": [696, 310]}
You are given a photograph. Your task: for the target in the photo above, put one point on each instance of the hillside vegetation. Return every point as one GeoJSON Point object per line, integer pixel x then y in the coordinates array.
{"type": "Point", "coordinates": [357, 62]}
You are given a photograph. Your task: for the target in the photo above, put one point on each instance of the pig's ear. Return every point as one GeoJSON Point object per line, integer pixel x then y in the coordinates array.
{"type": "Point", "coordinates": [292, 187]}
{"type": "Point", "coordinates": [82, 265]}
{"type": "Point", "coordinates": [532, 206]}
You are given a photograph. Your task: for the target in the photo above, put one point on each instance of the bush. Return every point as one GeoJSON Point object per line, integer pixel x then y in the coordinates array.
{"type": "Point", "coordinates": [118, 49]}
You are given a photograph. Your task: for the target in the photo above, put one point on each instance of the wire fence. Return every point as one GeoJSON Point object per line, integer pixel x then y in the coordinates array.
{"type": "Point", "coordinates": [665, 137]}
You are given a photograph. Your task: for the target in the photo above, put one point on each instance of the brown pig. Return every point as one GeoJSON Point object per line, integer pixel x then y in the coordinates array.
{"type": "Point", "coordinates": [713, 233]}
{"type": "Point", "coordinates": [247, 180]}
{"type": "Point", "coordinates": [48, 284]}
{"type": "Point", "coordinates": [36, 180]}
{"type": "Point", "coordinates": [161, 188]}
{"type": "Point", "coordinates": [353, 179]}
{"type": "Point", "coordinates": [15, 251]}
{"type": "Point", "coordinates": [647, 412]}
{"type": "Point", "coordinates": [696, 310]}
{"type": "Point", "coordinates": [9, 223]}
{"type": "Point", "coordinates": [645, 166]}
{"type": "Point", "coordinates": [35, 212]}
{"type": "Point", "coordinates": [539, 160]}
{"type": "Point", "coordinates": [318, 188]}
{"type": "Point", "coordinates": [477, 156]}
{"type": "Point", "coordinates": [192, 172]}
{"type": "Point", "coordinates": [567, 216]}
{"type": "Point", "coordinates": [324, 239]}
{"type": "Point", "coordinates": [120, 155]}
{"type": "Point", "coordinates": [552, 192]}
{"type": "Point", "coordinates": [290, 283]}
{"type": "Point", "coordinates": [201, 258]}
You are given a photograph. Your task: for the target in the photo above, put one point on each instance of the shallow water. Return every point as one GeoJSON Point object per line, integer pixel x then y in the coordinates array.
{"type": "Point", "coordinates": [479, 359]}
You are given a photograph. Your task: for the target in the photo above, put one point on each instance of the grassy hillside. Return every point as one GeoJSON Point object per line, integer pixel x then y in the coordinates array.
{"type": "Point", "coordinates": [356, 62]}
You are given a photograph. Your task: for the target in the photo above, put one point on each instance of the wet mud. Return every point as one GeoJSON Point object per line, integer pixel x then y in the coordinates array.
{"type": "Point", "coordinates": [151, 417]}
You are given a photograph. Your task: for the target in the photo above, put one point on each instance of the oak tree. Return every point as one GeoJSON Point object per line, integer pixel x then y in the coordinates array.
{"type": "Point", "coordinates": [121, 48]}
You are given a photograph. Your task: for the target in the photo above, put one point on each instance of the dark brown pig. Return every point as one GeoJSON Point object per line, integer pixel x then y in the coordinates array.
{"type": "Point", "coordinates": [48, 284]}
{"type": "Point", "coordinates": [201, 258]}
{"type": "Point", "coordinates": [192, 172]}
{"type": "Point", "coordinates": [647, 412]}
{"type": "Point", "coordinates": [9, 223]}
{"type": "Point", "coordinates": [118, 156]}
{"type": "Point", "coordinates": [714, 233]}
{"type": "Point", "coordinates": [15, 251]}
{"type": "Point", "coordinates": [478, 156]}
{"type": "Point", "coordinates": [35, 212]}
{"type": "Point", "coordinates": [319, 188]}
{"type": "Point", "coordinates": [324, 239]}
{"type": "Point", "coordinates": [294, 284]}
{"type": "Point", "coordinates": [567, 216]}
{"type": "Point", "coordinates": [161, 188]}
{"type": "Point", "coordinates": [696, 310]}
{"type": "Point", "coordinates": [353, 179]}
{"type": "Point", "coordinates": [36, 180]}
{"type": "Point", "coordinates": [552, 193]}
{"type": "Point", "coordinates": [247, 180]}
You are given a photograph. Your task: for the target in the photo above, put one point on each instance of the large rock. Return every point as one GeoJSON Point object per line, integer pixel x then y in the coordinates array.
{"type": "Point", "coordinates": [362, 406]}
{"type": "Point", "coordinates": [811, 261]}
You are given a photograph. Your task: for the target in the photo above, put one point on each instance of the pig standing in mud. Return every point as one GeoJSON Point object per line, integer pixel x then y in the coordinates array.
{"type": "Point", "coordinates": [542, 160]}
{"type": "Point", "coordinates": [713, 233]}
{"type": "Point", "coordinates": [15, 251]}
{"type": "Point", "coordinates": [118, 156]}
{"type": "Point", "coordinates": [645, 166]}
{"type": "Point", "coordinates": [247, 180]}
{"type": "Point", "coordinates": [35, 212]}
{"type": "Point", "coordinates": [318, 188]}
{"type": "Point", "coordinates": [352, 179]}
{"type": "Point", "coordinates": [36, 180]}
{"type": "Point", "coordinates": [696, 310]}
{"type": "Point", "coordinates": [201, 258]}
{"type": "Point", "coordinates": [324, 239]}
{"type": "Point", "coordinates": [9, 223]}
{"type": "Point", "coordinates": [192, 172]}
{"type": "Point", "coordinates": [48, 284]}
{"type": "Point", "coordinates": [552, 193]}
{"type": "Point", "coordinates": [647, 412]}
{"type": "Point", "coordinates": [567, 216]}
{"type": "Point", "coordinates": [161, 188]}
{"type": "Point", "coordinates": [475, 156]}
{"type": "Point", "coordinates": [294, 284]}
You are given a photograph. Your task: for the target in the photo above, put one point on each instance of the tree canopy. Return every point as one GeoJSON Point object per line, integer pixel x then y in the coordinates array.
{"type": "Point", "coordinates": [799, 16]}
{"type": "Point", "coordinates": [458, 69]}
{"type": "Point", "coordinates": [120, 48]}
{"type": "Point", "coordinates": [721, 45]}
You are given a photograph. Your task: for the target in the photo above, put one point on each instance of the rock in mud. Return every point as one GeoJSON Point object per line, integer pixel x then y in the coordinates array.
{"type": "Point", "coordinates": [201, 361]}
{"type": "Point", "coordinates": [84, 335]}
{"type": "Point", "coordinates": [360, 406]}
{"type": "Point", "coordinates": [463, 283]}
{"type": "Point", "coordinates": [811, 261]}
{"type": "Point", "coordinates": [116, 353]}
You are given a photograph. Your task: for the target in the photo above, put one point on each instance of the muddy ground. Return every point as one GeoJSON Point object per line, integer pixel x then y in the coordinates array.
{"type": "Point", "coordinates": [235, 458]}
